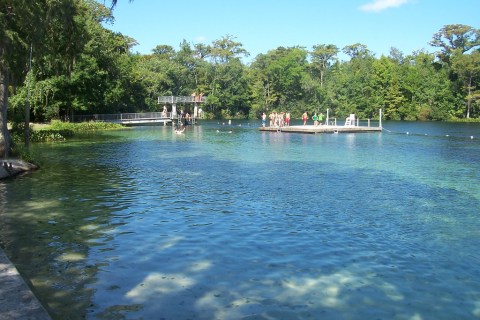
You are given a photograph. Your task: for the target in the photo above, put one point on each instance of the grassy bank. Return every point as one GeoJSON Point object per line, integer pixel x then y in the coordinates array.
{"type": "Point", "coordinates": [58, 130]}
{"type": "Point", "coordinates": [53, 132]}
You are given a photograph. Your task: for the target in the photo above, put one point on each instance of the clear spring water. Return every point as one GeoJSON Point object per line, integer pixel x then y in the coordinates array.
{"type": "Point", "coordinates": [147, 224]}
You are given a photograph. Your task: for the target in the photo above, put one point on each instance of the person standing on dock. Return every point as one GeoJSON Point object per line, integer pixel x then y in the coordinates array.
{"type": "Point", "coordinates": [315, 119]}
{"type": "Point", "coordinates": [264, 119]}
{"type": "Point", "coordinates": [287, 119]}
{"type": "Point", "coordinates": [305, 118]}
{"type": "Point", "coordinates": [320, 118]}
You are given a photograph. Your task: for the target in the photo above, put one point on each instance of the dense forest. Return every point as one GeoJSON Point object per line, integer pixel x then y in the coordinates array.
{"type": "Point", "coordinates": [58, 59]}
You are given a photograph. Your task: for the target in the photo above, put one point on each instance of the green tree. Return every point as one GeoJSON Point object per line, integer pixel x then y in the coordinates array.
{"type": "Point", "coordinates": [322, 57]}
{"type": "Point", "coordinates": [455, 38]}
{"type": "Point", "coordinates": [187, 58]}
{"type": "Point", "coordinates": [387, 91]}
{"type": "Point", "coordinates": [467, 67]}
{"type": "Point", "coordinates": [155, 76]}
{"type": "Point", "coordinates": [225, 49]}
{"type": "Point", "coordinates": [98, 78]}
{"type": "Point", "coordinates": [287, 69]}
{"type": "Point", "coordinates": [30, 24]}
{"type": "Point", "coordinates": [427, 88]}
{"type": "Point", "coordinates": [164, 51]}
{"type": "Point", "coordinates": [455, 41]}
{"type": "Point", "coordinates": [226, 77]}
{"type": "Point", "coordinates": [355, 90]}
{"type": "Point", "coordinates": [263, 93]}
{"type": "Point", "coordinates": [357, 51]}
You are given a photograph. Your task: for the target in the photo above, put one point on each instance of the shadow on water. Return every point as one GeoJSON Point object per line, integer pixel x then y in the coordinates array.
{"type": "Point", "coordinates": [118, 231]}
{"type": "Point", "coordinates": [49, 236]}
{"type": "Point", "coordinates": [57, 217]}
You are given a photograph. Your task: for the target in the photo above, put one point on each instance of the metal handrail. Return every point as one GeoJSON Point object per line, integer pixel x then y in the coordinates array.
{"type": "Point", "coordinates": [124, 116]}
{"type": "Point", "coordinates": [127, 117]}
{"type": "Point", "coordinates": [181, 99]}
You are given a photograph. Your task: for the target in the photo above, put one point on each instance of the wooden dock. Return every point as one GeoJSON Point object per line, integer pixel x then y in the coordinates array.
{"type": "Point", "coordinates": [321, 129]}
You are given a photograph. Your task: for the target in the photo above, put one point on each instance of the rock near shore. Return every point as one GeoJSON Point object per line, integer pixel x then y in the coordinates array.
{"type": "Point", "coordinates": [13, 167]}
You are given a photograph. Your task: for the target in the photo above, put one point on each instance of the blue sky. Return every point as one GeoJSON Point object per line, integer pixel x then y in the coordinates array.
{"type": "Point", "coordinates": [263, 25]}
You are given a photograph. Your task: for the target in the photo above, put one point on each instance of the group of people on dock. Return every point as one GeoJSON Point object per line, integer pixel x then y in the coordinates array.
{"type": "Point", "coordinates": [183, 116]}
{"type": "Point", "coordinates": [277, 119]}
{"type": "Point", "coordinates": [281, 119]}
{"type": "Point", "coordinates": [317, 119]}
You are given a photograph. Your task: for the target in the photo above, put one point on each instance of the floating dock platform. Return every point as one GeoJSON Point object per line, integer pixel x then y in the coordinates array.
{"type": "Point", "coordinates": [321, 129]}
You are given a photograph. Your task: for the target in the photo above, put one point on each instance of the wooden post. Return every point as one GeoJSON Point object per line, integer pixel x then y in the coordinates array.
{"type": "Point", "coordinates": [369, 122]}
{"type": "Point", "coordinates": [380, 120]}
{"type": "Point", "coordinates": [174, 110]}
{"type": "Point", "coordinates": [326, 122]}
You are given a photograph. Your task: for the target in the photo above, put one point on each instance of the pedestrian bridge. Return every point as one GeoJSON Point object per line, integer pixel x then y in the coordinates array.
{"type": "Point", "coordinates": [163, 117]}
{"type": "Point", "coordinates": [134, 118]}
{"type": "Point", "coordinates": [137, 118]}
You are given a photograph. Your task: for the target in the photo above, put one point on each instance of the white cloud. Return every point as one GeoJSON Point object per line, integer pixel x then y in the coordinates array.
{"type": "Point", "coordinates": [380, 5]}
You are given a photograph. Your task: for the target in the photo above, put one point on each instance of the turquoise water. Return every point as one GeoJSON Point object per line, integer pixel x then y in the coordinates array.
{"type": "Point", "coordinates": [147, 224]}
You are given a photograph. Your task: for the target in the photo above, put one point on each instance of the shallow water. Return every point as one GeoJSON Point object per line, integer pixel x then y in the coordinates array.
{"type": "Point", "coordinates": [144, 223]}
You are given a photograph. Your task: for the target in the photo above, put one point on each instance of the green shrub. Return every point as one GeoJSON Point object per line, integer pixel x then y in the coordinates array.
{"type": "Point", "coordinates": [49, 135]}
{"type": "Point", "coordinates": [58, 130]}
{"type": "Point", "coordinates": [83, 126]}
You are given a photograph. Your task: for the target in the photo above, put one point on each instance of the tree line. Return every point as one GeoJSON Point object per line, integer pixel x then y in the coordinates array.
{"type": "Point", "coordinates": [58, 60]}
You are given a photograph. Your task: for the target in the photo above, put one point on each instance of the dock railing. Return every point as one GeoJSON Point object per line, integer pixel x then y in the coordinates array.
{"type": "Point", "coordinates": [181, 99]}
{"type": "Point", "coordinates": [358, 123]}
{"type": "Point", "coordinates": [124, 117]}
{"type": "Point", "coordinates": [139, 118]}
{"type": "Point", "coordinates": [354, 121]}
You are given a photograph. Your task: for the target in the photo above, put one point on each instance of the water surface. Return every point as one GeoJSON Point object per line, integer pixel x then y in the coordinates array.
{"type": "Point", "coordinates": [145, 223]}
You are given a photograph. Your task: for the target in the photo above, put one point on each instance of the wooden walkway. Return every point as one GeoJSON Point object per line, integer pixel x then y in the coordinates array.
{"type": "Point", "coordinates": [128, 118]}
{"type": "Point", "coordinates": [163, 117]}
{"type": "Point", "coordinates": [136, 118]}
{"type": "Point", "coordinates": [321, 129]}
